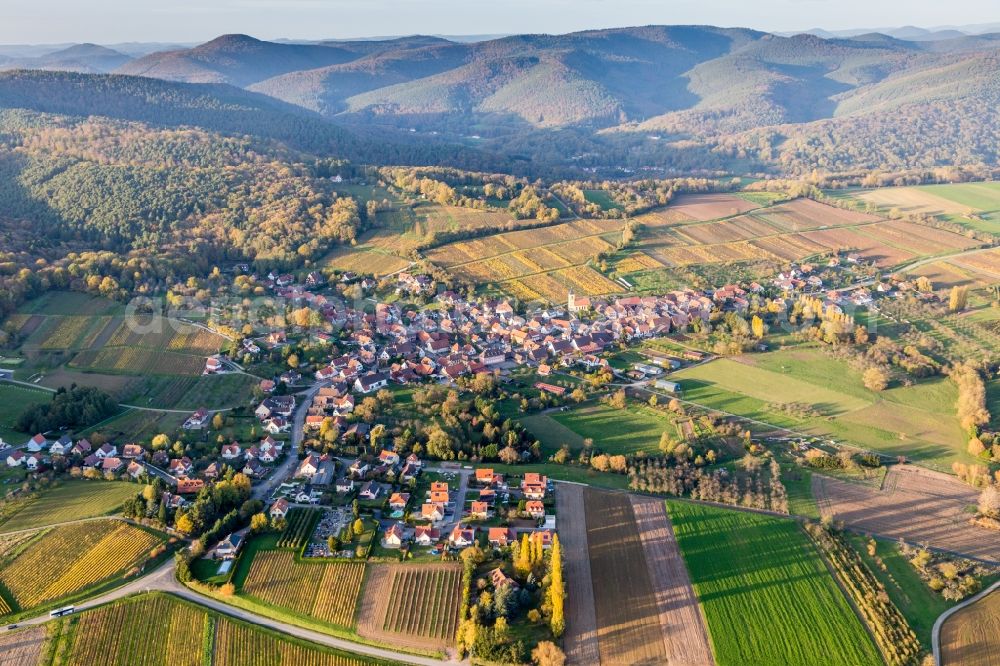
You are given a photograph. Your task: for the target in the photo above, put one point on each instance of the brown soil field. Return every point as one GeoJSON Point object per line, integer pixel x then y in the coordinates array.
{"type": "Point", "coordinates": [802, 214]}
{"type": "Point", "coordinates": [626, 605]}
{"type": "Point", "coordinates": [911, 201]}
{"type": "Point", "coordinates": [743, 227]}
{"type": "Point", "coordinates": [22, 648]}
{"type": "Point", "coordinates": [434, 611]}
{"type": "Point", "coordinates": [116, 385]}
{"type": "Point", "coordinates": [869, 248]}
{"type": "Point", "coordinates": [910, 238]}
{"type": "Point", "coordinates": [704, 207]}
{"type": "Point", "coordinates": [30, 325]}
{"type": "Point", "coordinates": [985, 263]}
{"type": "Point", "coordinates": [914, 504]}
{"type": "Point", "coordinates": [944, 275]}
{"type": "Point", "coordinates": [580, 639]}
{"type": "Point", "coordinates": [684, 630]}
{"type": "Point", "coordinates": [790, 246]}
{"type": "Point", "coordinates": [971, 637]}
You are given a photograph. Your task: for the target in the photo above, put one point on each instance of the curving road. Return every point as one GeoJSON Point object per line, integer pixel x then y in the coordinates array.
{"type": "Point", "coordinates": [164, 580]}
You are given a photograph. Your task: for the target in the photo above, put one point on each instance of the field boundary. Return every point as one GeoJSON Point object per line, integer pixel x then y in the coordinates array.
{"type": "Point", "coordinates": [939, 623]}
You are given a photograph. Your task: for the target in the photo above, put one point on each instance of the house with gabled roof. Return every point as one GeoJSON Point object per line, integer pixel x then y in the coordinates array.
{"type": "Point", "coordinates": [426, 535]}
{"type": "Point", "coordinates": [462, 537]}
{"type": "Point", "coordinates": [394, 536]}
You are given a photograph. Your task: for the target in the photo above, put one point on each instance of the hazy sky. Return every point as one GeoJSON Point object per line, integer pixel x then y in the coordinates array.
{"type": "Point", "coordinates": [107, 21]}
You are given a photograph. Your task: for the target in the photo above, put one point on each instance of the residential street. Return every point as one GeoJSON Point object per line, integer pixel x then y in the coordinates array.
{"type": "Point", "coordinates": [263, 491]}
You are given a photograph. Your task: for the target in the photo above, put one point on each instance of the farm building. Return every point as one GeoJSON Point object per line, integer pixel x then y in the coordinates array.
{"type": "Point", "coordinates": [668, 386]}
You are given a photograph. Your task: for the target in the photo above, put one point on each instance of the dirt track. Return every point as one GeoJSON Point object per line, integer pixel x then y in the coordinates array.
{"type": "Point", "coordinates": [917, 505]}
{"type": "Point", "coordinates": [580, 640]}
{"type": "Point", "coordinates": [684, 633]}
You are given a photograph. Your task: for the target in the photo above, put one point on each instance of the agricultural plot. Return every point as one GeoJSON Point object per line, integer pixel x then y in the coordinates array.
{"type": "Point", "coordinates": [364, 261]}
{"type": "Point", "coordinates": [803, 214]}
{"type": "Point", "coordinates": [74, 500]}
{"type": "Point", "coordinates": [15, 400]}
{"type": "Point", "coordinates": [697, 208]}
{"type": "Point", "coordinates": [411, 605]}
{"type": "Point", "coordinates": [637, 262]}
{"type": "Point", "coordinates": [761, 574]}
{"type": "Point", "coordinates": [153, 630]}
{"type": "Point", "coordinates": [971, 636]}
{"type": "Point", "coordinates": [580, 640]}
{"type": "Point", "coordinates": [239, 644]}
{"type": "Point", "coordinates": [326, 591]}
{"type": "Point", "coordinates": [914, 504]}
{"type": "Point", "coordinates": [22, 648]}
{"type": "Point", "coordinates": [299, 524]}
{"type": "Point", "coordinates": [70, 558]}
{"type": "Point", "coordinates": [614, 431]}
{"type": "Point", "coordinates": [625, 602]}
{"type": "Point", "coordinates": [138, 425]}
{"type": "Point", "coordinates": [193, 392]}
{"type": "Point", "coordinates": [544, 263]}
{"type": "Point", "coordinates": [915, 421]}
{"type": "Point", "coordinates": [685, 634]}
{"type": "Point", "coordinates": [138, 361]}
{"type": "Point", "coordinates": [974, 205]}
{"type": "Point", "coordinates": [160, 630]}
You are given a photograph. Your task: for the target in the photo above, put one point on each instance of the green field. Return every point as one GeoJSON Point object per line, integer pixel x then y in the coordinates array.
{"type": "Point", "coordinates": [972, 205]}
{"type": "Point", "coordinates": [602, 199]}
{"type": "Point", "coordinates": [71, 303]}
{"type": "Point", "coordinates": [615, 431]}
{"type": "Point", "coordinates": [72, 500]}
{"type": "Point", "coordinates": [767, 596]}
{"type": "Point", "coordinates": [14, 400]}
{"type": "Point", "coordinates": [916, 421]}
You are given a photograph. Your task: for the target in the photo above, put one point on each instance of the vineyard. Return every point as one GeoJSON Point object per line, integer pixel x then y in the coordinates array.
{"type": "Point", "coordinates": [152, 630]}
{"type": "Point", "coordinates": [895, 638]}
{"type": "Point", "coordinates": [138, 361]}
{"type": "Point", "coordinates": [164, 333]}
{"type": "Point", "coordinates": [63, 332]}
{"type": "Point", "coordinates": [326, 591]}
{"type": "Point", "coordinates": [70, 558]}
{"type": "Point", "coordinates": [238, 644]}
{"type": "Point", "coordinates": [71, 501]}
{"type": "Point", "coordinates": [299, 527]}
{"type": "Point", "coordinates": [415, 604]}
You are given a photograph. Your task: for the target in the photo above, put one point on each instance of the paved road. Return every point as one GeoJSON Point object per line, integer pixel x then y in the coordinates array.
{"type": "Point", "coordinates": [936, 632]}
{"type": "Point", "coordinates": [163, 580]}
{"type": "Point", "coordinates": [282, 471]}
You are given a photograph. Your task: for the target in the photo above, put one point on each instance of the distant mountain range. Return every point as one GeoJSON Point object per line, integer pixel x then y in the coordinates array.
{"type": "Point", "coordinates": [667, 96]}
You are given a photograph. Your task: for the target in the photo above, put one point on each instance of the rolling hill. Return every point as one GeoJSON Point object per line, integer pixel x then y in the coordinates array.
{"type": "Point", "coordinates": [669, 98]}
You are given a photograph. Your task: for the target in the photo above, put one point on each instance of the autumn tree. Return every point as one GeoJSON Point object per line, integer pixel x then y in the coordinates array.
{"type": "Point", "coordinates": [557, 589]}
{"type": "Point", "coordinates": [958, 298]}
{"type": "Point", "coordinates": [875, 379]}
{"type": "Point", "coordinates": [547, 653]}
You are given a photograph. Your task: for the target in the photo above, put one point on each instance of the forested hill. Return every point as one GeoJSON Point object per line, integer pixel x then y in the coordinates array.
{"type": "Point", "coordinates": [673, 97]}
{"type": "Point", "coordinates": [224, 109]}
{"type": "Point", "coordinates": [100, 183]}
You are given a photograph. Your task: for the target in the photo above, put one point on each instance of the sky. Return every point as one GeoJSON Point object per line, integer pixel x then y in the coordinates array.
{"type": "Point", "coordinates": [113, 21]}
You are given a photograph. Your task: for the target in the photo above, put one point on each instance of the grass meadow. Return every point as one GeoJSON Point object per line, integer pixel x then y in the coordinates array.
{"type": "Point", "coordinates": [916, 421]}
{"type": "Point", "coordinates": [767, 596]}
